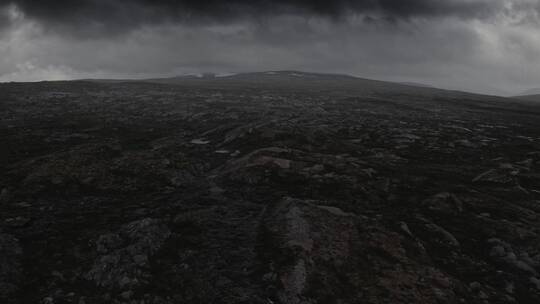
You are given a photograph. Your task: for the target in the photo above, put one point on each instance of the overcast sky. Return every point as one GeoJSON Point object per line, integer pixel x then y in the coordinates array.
{"type": "Point", "coordinates": [488, 46]}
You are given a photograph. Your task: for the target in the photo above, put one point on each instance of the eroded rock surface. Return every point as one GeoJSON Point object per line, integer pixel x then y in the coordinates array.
{"type": "Point", "coordinates": [331, 191]}
{"type": "Point", "coordinates": [10, 267]}
{"type": "Point", "coordinates": [322, 254]}
{"type": "Point", "coordinates": [124, 257]}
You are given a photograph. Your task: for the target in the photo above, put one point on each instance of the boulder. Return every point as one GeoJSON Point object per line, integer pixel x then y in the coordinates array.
{"type": "Point", "coordinates": [322, 254]}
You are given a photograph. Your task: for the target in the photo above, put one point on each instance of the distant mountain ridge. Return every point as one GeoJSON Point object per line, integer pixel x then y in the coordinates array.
{"type": "Point", "coordinates": [291, 77]}
{"type": "Point", "coordinates": [533, 91]}
{"type": "Point", "coordinates": [535, 98]}
{"type": "Point", "coordinates": [293, 80]}
{"type": "Point", "coordinates": [266, 75]}
{"type": "Point", "coordinates": [338, 86]}
{"type": "Point", "coordinates": [417, 84]}
{"type": "Point", "coordinates": [529, 95]}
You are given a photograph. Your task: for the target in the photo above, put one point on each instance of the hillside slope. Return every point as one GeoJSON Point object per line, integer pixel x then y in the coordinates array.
{"type": "Point", "coordinates": [533, 98]}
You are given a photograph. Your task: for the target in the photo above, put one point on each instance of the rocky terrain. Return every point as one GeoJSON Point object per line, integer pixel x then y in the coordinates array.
{"type": "Point", "coordinates": [278, 187]}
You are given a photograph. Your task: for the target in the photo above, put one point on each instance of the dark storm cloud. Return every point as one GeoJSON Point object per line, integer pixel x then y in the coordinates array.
{"type": "Point", "coordinates": [119, 15]}
{"type": "Point", "coordinates": [479, 45]}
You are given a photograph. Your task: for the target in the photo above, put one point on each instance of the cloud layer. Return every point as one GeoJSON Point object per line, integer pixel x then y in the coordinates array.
{"type": "Point", "coordinates": [480, 45]}
{"type": "Point", "coordinates": [129, 14]}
